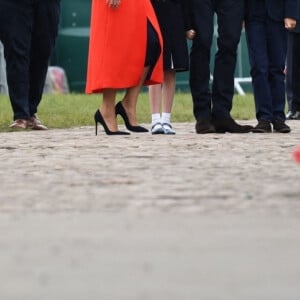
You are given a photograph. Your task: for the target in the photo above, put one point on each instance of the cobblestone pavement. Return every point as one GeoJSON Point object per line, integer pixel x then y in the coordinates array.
{"type": "Point", "coordinates": [149, 217]}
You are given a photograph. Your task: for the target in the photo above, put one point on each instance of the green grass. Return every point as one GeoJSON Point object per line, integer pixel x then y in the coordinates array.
{"type": "Point", "coordinates": [73, 110]}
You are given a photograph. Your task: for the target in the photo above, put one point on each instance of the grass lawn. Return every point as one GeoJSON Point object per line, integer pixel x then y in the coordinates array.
{"type": "Point", "coordinates": [73, 110]}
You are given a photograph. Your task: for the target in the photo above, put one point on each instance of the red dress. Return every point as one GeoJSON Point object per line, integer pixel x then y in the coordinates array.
{"type": "Point", "coordinates": [117, 46]}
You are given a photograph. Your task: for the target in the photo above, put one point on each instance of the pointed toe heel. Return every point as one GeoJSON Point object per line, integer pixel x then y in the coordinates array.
{"type": "Point", "coordinates": [120, 110]}
{"type": "Point", "coordinates": [99, 119]}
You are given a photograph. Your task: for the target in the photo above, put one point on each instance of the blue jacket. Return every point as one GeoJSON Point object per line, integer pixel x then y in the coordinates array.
{"type": "Point", "coordinates": [277, 10]}
{"type": "Point", "coordinates": [297, 29]}
{"type": "Point", "coordinates": [280, 9]}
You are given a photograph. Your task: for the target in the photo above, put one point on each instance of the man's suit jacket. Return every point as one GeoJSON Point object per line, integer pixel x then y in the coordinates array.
{"type": "Point", "coordinates": [280, 9]}
{"type": "Point", "coordinates": [187, 14]}
{"type": "Point", "coordinates": [277, 10]}
{"type": "Point", "coordinates": [297, 29]}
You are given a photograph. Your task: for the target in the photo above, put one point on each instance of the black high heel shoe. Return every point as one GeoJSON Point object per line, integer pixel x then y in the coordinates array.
{"type": "Point", "coordinates": [99, 119]}
{"type": "Point", "coordinates": [121, 111]}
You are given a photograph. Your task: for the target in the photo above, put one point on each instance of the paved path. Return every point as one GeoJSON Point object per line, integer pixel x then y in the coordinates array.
{"type": "Point", "coordinates": [184, 217]}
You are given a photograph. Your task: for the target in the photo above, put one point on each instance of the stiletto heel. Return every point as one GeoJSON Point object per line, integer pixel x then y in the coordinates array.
{"type": "Point", "coordinates": [99, 119]}
{"type": "Point", "coordinates": [96, 127]}
{"type": "Point", "coordinates": [121, 111]}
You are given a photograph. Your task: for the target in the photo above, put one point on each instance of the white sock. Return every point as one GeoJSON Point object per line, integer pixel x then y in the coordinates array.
{"type": "Point", "coordinates": [155, 118]}
{"type": "Point", "coordinates": [166, 118]}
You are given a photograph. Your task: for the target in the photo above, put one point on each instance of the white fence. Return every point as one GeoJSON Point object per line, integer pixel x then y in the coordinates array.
{"type": "Point", "coordinates": [3, 84]}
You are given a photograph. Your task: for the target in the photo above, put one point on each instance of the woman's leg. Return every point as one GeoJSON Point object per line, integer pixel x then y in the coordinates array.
{"type": "Point", "coordinates": [151, 56]}
{"type": "Point", "coordinates": [107, 109]}
{"type": "Point", "coordinates": [130, 99]}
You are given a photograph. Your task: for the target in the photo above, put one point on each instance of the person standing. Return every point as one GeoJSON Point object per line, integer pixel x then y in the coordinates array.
{"type": "Point", "coordinates": [124, 53]}
{"type": "Point", "coordinates": [28, 30]}
{"type": "Point", "coordinates": [175, 59]}
{"type": "Point", "coordinates": [266, 24]}
{"type": "Point", "coordinates": [212, 107]}
{"type": "Point", "coordinates": [293, 70]}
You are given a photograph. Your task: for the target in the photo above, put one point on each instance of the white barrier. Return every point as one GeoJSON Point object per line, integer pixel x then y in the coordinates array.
{"type": "Point", "coordinates": [237, 84]}
{"type": "Point", "coordinates": [3, 84]}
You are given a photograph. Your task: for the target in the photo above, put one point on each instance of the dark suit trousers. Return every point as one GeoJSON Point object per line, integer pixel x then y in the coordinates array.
{"type": "Point", "coordinates": [289, 67]}
{"type": "Point", "coordinates": [267, 46]}
{"type": "Point", "coordinates": [28, 31]}
{"type": "Point", "coordinates": [218, 103]}
{"type": "Point", "coordinates": [296, 72]}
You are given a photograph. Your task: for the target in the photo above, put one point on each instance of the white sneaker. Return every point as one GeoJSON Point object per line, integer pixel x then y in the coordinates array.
{"type": "Point", "coordinates": [168, 128]}
{"type": "Point", "coordinates": [157, 129]}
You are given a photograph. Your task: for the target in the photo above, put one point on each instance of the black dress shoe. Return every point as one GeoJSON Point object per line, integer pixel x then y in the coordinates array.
{"type": "Point", "coordinates": [263, 126]}
{"type": "Point", "coordinates": [120, 110]}
{"type": "Point", "coordinates": [229, 125]}
{"type": "Point", "coordinates": [99, 119]}
{"type": "Point", "coordinates": [204, 126]}
{"type": "Point", "coordinates": [280, 126]}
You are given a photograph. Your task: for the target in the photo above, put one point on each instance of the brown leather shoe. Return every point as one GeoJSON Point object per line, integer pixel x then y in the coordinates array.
{"type": "Point", "coordinates": [229, 125]}
{"type": "Point", "coordinates": [204, 126]}
{"type": "Point", "coordinates": [19, 124]}
{"type": "Point", "coordinates": [35, 123]}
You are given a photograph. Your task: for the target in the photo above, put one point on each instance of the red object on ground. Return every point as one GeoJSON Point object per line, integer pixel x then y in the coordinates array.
{"type": "Point", "coordinates": [296, 155]}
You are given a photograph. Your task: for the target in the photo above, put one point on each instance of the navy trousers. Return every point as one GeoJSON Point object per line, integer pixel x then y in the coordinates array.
{"type": "Point", "coordinates": [267, 46]}
{"type": "Point", "coordinates": [289, 66]}
{"type": "Point", "coordinates": [296, 72]}
{"type": "Point", "coordinates": [216, 103]}
{"type": "Point", "coordinates": [28, 29]}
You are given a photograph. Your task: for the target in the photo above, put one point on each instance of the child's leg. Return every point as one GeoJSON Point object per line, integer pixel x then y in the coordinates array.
{"type": "Point", "coordinates": [168, 98]}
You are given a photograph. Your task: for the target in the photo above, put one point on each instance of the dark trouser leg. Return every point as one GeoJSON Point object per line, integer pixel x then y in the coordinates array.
{"type": "Point", "coordinates": [200, 59]}
{"type": "Point", "coordinates": [46, 19]}
{"type": "Point", "coordinates": [289, 68]}
{"type": "Point", "coordinates": [256, 34]}
{"type": "Point", "coordinates": [296, 73]}
{"type": "Point", "coordinates": [267, 65]}
{"type": "Point", "coordinates": [16, 39]}
{"type": "Point", "coordinates": [230, 17]}
{"type": "Point", "coordinates": [277, 39]}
